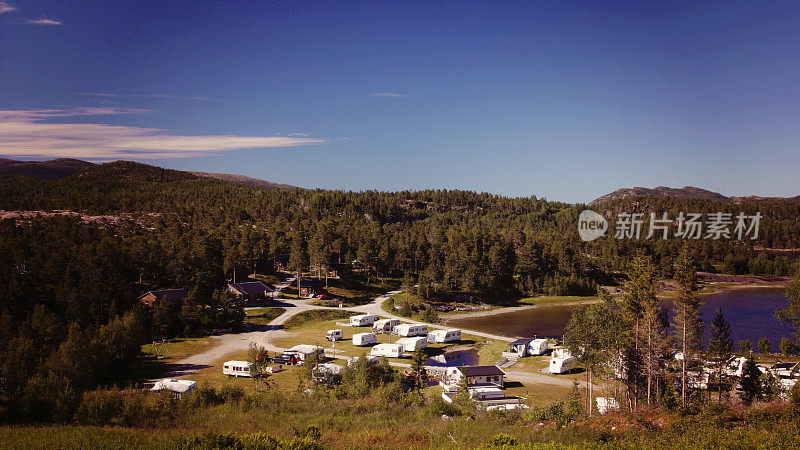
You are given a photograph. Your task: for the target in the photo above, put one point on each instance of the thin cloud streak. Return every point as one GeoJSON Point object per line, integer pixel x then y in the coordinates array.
{"type": "Point", "coordinates": [23, 134]}
{"type": "Point", "coordinates": [388, 95]}
{"type": "Point", "coordinates": [6, 7]}
{"type": "Point", "coordinates": [43, 21]}
{"type": "Point", "coordinates": [163, 96]}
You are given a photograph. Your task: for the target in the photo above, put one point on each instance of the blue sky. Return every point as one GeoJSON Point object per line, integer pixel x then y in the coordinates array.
{"type": "Point", "coordinates": [564, 100]}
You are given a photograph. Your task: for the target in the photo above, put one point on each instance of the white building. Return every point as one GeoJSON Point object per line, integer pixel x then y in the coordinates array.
{"type": "Point", "coordinates": [476, 376]}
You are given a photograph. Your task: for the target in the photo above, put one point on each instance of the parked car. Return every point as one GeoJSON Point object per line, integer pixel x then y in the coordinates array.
{"type": "Point", "coordinates": [289, 359]}
{"type": "Point", "coordinates": [324, 297]}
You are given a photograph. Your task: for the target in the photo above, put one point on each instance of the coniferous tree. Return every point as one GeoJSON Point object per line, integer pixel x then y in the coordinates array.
{"type": "Point", "coordinates": [687, 322]}
{"type": "Point", "coordinates": [720, 346]}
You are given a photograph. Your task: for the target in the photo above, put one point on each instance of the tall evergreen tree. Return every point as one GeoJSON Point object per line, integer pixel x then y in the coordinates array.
{"type": "Point", "coordinates": [720, 346]}
{"type": "Point", "coordinates": [687, 322]}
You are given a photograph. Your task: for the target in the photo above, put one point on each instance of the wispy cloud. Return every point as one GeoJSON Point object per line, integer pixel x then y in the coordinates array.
{"type": "Point", "coordinates": [6, 7]}
{"type": "Point", "coordinates": [24, 133]}
{"type": "Point", "coordinates": [164, 96]}
{"type": "Point", "coordinates": [388, 94]}
{"type": "Point", "coordinates": [43, 21]}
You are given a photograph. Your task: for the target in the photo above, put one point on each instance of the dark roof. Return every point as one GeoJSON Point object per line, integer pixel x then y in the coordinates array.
{"type": "Point", "coordinates": [481, 371]}
{"type": "Point", "coordinates": [788, 365]}
{"type": "Point", "coordinates": [521, 341]}
{"type": "Point", "coordinates": [170, 294]}
{"type": "Point", "coordinates": [309, 282]}
{"type": "Point", "coordinates": [250, 287]}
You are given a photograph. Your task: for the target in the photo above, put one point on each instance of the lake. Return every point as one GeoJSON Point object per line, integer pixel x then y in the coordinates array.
{"type": "Point", "coordinates": [751, 312]}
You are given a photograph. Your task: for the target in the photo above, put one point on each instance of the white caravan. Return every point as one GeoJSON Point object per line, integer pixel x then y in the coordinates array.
{"type": "Point", "coordinates": [364, 339]}
{"type": "Point", "coordinates": [177, 387]}
{"type": "Point", "coordinates": [384, 325]}
{"type": "Point", "coordinates": [562, 364]}
{"type": "Point", "coordinates": [442, 336]}
{"type": "Point", "coordinates": [363, 320]}
{"type": "Point", "coordinates": [237, 369]}
{"type": "Point", "coordinates": [412, 344]}
{"type": "Point", "coordinates": [387, 350]}
{"type": "Point", "coordinates": [303, 351]}
{"type": "Point", "coordinates": [538, 347]}
{"type": "Point", "coordinates": [334, 335]}
{"type": "Point", "coordinates": [410, 330]}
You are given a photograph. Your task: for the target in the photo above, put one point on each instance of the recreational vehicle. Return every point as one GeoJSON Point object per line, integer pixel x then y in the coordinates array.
{"type": "Point", "coordinates": [327, 373]}
{"type": "Point", "coordinates": [442, 336]}
{"type": "Point", "coordinates": [384, 325]}
{"type": "Point", "coordinates": [387, 350]}
{"type": "Point", "coordinates": [562, 361]}
{"type": "Point", "coordinates": [237, 369]}
{"type": "Point", "coordinates": [412, 344]}
{"type": "Point", "coordinates": [410, 330]}
{"type": "Point", "coordinates": [177, 387]}
{"type": "Point", "coordinates": [363, 320]}
{"type": "Point", "coordinates": [364, 339]}
{"type": "Point", "coordinates": [303, 351]}
{"type": "Point", "coordinates": [606, 404]}
{"type": "Point", "coordinates": [538, 347]}
{"type": "Point", "coordinates": [334, 335]}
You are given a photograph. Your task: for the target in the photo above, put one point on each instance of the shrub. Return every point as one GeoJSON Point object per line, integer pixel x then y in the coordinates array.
{"type": "Point", "coordinates": [502, 440]}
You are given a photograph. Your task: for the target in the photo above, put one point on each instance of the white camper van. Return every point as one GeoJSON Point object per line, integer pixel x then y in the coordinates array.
{"type": "Point", "coordinates": [370, 358]}
{"type": "Point", "coordinates": [384, 325]}
{"type": "Point", "coordinates": [410, 330]}
{"type": "Point", "coordinates": [236, 369]}
{"type": "Point", "coordinates": [387, 350]}
{"type": "Point", "coordinates": [412, 344]}
{"type": "Point", "coordinates": [363, 320]}
{"type": "Point", "coordinates": [334, 335]}
{"type": "Point", "coordinates": [303, 351]}
{"type": "Point", "coordinates": [562, 361]}
{"type": "Point", "coordinates": [537, 347]}
{"type": "Point", "coordinates": [177, 387]}
{"type": "Point", "coordinates": [364, 339]}
{"type": "Point", "coordinates": [442, 336]}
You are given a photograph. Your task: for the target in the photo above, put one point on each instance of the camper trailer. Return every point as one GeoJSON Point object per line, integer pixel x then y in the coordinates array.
{"type": "Point", "coordinates": [412, 344]}
{"type": "Point", "coordinates": [327, 373]}
{"type": "Point", "coordinates": [562, 361]}
{"type": "Point", "coordinates": [387, 350]}
{"type": "Point", "coordinates": [384, 325]}
{"type": "Point", "coordinates": [364, 339]}
{"type": "Point", "coordinates": [237, 369]}
{"type": "Point", "coordinates": [442, 336]}
{"type": "Point", "coordinates": [363, 320]}
{"type": "Point", "coordinates": [410, 330]}
{"type": "Point", "coordinates": [334, 335]}
{"type": "Point", "coordinates": [303, 351]}
{"type": "Point", "coordinates": [177, 387]}
{"type": "Point", "coordinates": [538, 347]}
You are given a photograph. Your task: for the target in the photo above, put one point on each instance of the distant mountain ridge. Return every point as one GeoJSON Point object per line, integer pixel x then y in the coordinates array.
{"type": "Point", "coordinates": [244, 180]}
{"type": "Point", "coordinates": [684, 192]}
{"type": "Point", "coordinates": [45, 170]}
{"type": "Point", "coordinates": [120, 170]}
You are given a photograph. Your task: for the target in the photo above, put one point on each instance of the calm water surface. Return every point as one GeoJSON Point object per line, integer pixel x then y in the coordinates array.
{"type": "Point", "coordinates": [751, 312]}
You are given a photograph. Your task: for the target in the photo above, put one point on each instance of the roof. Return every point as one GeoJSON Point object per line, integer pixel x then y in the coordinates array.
{"type": "Point", "coordinates": [520, 341]}
{"type": "Point", "coordinates": [309, 282]}
{"type": "Point", "coordinates": [169, 294]}
{"type": "Point", "coordinates": [481, 371]}
{"type": "Point", "coordinates": [250, 287]}
{"type": "Point", "coordinates": [179, 386]}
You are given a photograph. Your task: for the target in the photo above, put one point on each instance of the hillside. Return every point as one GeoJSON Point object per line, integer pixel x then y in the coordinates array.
{"type": "Point", "coordinates": [45, 170]}
{"type": "Point", "coordinates": [244, 180]}
{"type": "Point", "coordinates": [661, 191]}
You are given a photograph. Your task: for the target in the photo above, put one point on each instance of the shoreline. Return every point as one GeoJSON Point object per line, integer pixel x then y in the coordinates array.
{"type": "Point", "coordinates": [706, 290]}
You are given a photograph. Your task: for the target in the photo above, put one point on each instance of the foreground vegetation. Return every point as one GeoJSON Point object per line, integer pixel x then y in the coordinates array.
{"type": "Point", "coordinates": [386, 419]}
